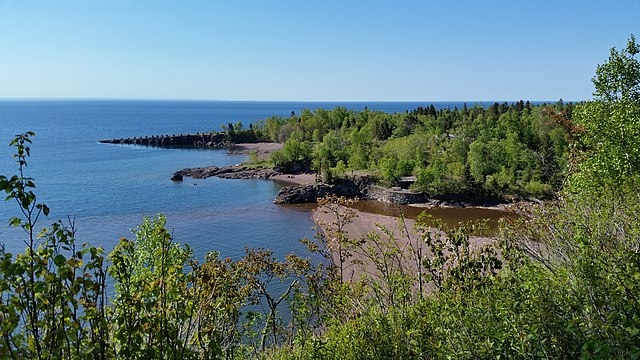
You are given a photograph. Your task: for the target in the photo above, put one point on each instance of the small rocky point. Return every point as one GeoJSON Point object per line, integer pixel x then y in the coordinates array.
{"type": "Point", "coordinates": [225, 172]}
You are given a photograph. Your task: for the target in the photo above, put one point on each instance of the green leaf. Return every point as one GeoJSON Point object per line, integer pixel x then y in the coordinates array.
{"type": "Point", "coordinates": [59, 260]}
{"type": "Point", "coordinates": [14, 221]}
{"type": "Point", "coordinates": [45, 210]}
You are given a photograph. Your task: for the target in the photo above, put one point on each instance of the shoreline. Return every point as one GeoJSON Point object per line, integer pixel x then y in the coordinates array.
{"type": "Point", "coordinates": [309, 180]}
{"type": "Point", "coordinates": [263, 150]}
{"type": "Point", "coordinates": [363, 224]}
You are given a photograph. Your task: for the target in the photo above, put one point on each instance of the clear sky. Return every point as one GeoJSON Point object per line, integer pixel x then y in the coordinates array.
{"type": "Point", "coordinates": [309, 50]}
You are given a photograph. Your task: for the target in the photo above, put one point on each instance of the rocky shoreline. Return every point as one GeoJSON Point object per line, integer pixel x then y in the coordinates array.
{"type": "Point", "coordinates": [225, 172]}
{"type": "Point", "coordinates": [304, 188]}
{"type": "Point", "coordinates": [298, 193]}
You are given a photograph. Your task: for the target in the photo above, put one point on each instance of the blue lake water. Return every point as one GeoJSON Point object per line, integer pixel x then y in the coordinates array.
{"type": "Point", "coordinates": [108, 189]}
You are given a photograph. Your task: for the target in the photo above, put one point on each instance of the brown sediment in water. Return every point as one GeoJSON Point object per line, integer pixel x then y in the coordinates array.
{"type": "Point", "coordinates": [406, 240]}
{"type": "Point", "coordinates": [449, 215]}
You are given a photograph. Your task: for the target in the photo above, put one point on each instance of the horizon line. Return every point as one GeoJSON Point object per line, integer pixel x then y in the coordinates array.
{"type": "Point", "coordinates": [270, 100]}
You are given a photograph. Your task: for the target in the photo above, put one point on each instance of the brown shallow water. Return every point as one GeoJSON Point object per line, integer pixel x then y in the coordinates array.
{"type": "Point", "coordinates": [450, 216]}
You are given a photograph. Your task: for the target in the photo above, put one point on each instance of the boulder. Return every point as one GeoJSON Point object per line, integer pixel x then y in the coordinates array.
{"type": "Point", "coordinates": [300, 194]}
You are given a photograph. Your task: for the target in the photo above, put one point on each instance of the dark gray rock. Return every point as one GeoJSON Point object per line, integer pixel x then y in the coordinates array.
{"type": "Point", "coordinates": [225, 172]}
{"type": "Point", "coordinates": [300, 194]}
{"type": "Point", "coordinates": [352, 187]}
{"type": "Point", "coordinates": [396, 196]}
{"type": "Point", "coordinates": [248, 174]}
{"type": "Point", "coordinates": [356, 187]}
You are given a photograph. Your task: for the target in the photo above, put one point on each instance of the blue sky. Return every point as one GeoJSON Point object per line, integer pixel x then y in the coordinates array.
{"type": "Point", "coordinates": [309, 50]}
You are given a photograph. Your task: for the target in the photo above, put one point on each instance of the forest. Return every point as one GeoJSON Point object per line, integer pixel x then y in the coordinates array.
{"type": "Point", "coordinates": [505, 151]}
{"type": "Point", "coordinates": [562, 281]}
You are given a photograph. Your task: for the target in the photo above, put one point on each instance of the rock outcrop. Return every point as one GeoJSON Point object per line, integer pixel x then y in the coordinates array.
{"type": "Point", "coordinates": [225, 172]}
{"type": "Point", "coordinates": [362, 187]}
{"type": "Point", "coordinates": [299, 194]}
{"type": "Point", "coordinates": [396, 196]}
{"type": "Point", "coordinates": [356, 186]}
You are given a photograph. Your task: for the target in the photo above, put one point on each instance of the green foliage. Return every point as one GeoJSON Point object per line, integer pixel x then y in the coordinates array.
{"type": "Point", "coordinates": [294, 157]}
{"type": "Point", "coordinates": [588, 247]}
{"type": "Point", "coordinates": [619, 78]}
{"type": "Point", "coordinates": [607, 143]}
{"type": "Point", "coordinates": [153, 308]}
{"type": "Point", "coordinates": [609, 153]}
{"type": "Point", "coordinates": [223, 292]}
{"type": "Point", "coordinates": [53, 302]}
{"type": "Point", "coordinates": [237, 133]}
{"type": "Point", "coordinates": [256, 161]}
{"type": "Point", "coordinates": [515, 150]}
{"type": "Point", "coordinates": [515, 317]}
{"type": "Point", "coordinates": [272, 128]}
{"type": "Point", "coordinates": [52, 296]}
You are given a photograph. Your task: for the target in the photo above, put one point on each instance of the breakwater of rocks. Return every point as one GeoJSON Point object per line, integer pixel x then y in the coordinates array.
{"type": "Point", "coordinates": [210, 140]}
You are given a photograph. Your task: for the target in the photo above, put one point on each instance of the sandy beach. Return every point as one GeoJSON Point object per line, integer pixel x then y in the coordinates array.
{"type": "Point", "coordinates": [364, 224]}
{"type": "Point", "coordinates": [388, 229]}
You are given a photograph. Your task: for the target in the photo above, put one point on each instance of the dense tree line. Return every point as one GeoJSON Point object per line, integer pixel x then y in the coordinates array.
{"type": "Point", "coordinates": [563, 281]}
{"type": "Point", "coordinates": [505, 150]}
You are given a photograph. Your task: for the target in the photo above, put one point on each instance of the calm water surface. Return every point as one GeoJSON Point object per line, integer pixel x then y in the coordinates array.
{"type": "Point", "coordinates": [108, 189]}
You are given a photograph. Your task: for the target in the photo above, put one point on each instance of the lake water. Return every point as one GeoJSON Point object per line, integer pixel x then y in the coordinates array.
{"type": "Point", "coordinates": [108, 189]}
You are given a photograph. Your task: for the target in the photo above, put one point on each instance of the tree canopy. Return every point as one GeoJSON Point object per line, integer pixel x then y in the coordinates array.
{"type": "Point", "coordinates": [504, 151]}
{"type": "Point", "coordinates": [609, 133]}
